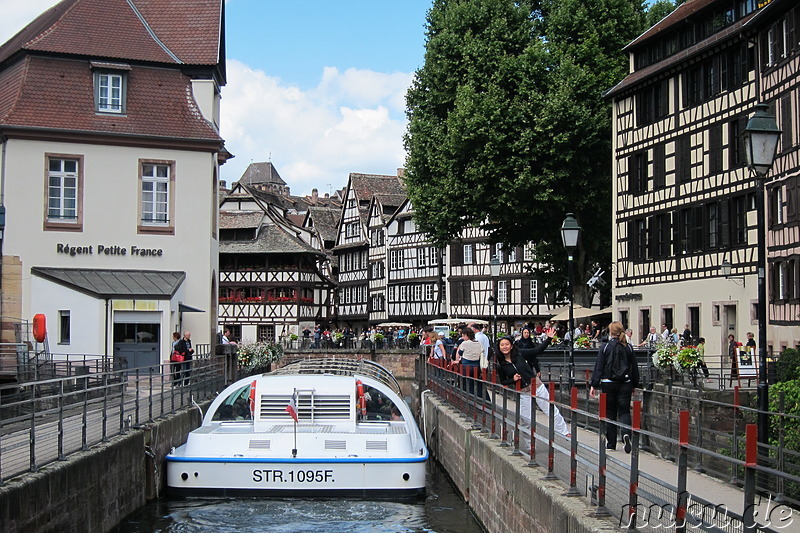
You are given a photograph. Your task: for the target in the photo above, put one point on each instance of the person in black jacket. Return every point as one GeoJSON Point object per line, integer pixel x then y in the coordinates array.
{"type": "Point", "coordinates": [512, 367]}
{"type": "Point", "coordinates": [618, 392]}
{"type": "Point", "coordinates": [184, 347]}
{"type": "Point", "coordinates": [530, 349]}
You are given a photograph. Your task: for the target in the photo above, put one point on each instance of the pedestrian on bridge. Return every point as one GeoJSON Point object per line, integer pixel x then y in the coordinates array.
{"type": "Point", "coordinates": [617, 373]}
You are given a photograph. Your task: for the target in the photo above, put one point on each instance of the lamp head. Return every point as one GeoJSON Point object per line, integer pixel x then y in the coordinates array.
{"type": "Point", "coordinates": [761, 140]}
{"type": "Point", "coordinates": [570, 232]}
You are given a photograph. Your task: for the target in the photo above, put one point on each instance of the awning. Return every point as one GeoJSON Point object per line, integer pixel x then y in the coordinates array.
{"type": "Point", "coordinates": [116, 284]}
{"type": "Point", "coordinates": [580, 312]}
{"type": "Point", "coordinates": [458, 321]}
{"type": "Point", "coordinates": [183, 308]}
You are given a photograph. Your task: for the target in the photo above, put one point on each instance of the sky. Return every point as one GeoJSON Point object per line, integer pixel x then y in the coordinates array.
{"type": "Point", "coordinates": [317, 87]}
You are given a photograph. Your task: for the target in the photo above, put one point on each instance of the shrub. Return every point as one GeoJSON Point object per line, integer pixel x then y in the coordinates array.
{"type": "Point", "coordinates": [788, 365]}
{"type": "Point", "coordinates": [258, 355]}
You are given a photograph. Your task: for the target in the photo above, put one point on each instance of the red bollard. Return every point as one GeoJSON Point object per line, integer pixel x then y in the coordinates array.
{"type": "Point", "coordinates": [532, 461]}
{"type": "Point", "coordinates": [573, 448]}
{"type": "Point", "coordinates": [551, 435]}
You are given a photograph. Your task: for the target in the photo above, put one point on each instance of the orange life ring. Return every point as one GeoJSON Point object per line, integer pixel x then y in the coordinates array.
{"type": "Point", "coordinates": [252, 400]}
{"type": "Point", "coordinates": [39, 327]}
{"type": "Point", "coordinates": [362, 401]}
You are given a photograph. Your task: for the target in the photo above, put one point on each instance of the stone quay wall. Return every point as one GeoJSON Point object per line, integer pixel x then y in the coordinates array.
{"type": "Point", "coordinates": [95, 490]}
{"type": "Point", "coordinates": [503, 492]}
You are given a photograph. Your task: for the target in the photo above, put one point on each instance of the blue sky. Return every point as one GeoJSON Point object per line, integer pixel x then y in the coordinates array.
{"type": "Point", "coordinates": [317, 87]}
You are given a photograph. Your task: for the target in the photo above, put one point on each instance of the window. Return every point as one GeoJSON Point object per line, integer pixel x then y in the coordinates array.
{"type": "Point", "coordinates": [266, 333]}
{"type": "Point", "coordinates": [738, 220]}
{"type": "Point", "coordinates": [156, 201]}
{"type": "Point", "coordinates": [637, 239]}
{"type": "Point", "coordinates": [422, 257]}
{"type": "Point", "coordinates": [530, 251]}
{"type": "Point", "coordinates": [460, 293]}
{"type": "Point", "coordinates": [637, 172]}
{"type": "Point", "coordinates": [351, 229]}
{"type": "Point", "coordinates": [429, 292]}
{"type": "Point", "coordinates": [715, 149]}
{"type": "Point", "coordinates": [502, 291]}
{"type": "Point", "coordinates": [659, 166]}
{"type": "Point", "coordinates": [433, 256]}
{"type": "Point", "coordinates": [659, 236]}
{"type": "Point", "coordinates": [512, 255]}
{"type": "Point", "coordinates": [776, 206]}
{"type": "Point", "coordinates": [498, 252]}
{"type": "Point", "coordinates": [712, 219]}
{"type": "Point", "coordinates": [534, 291]}
{"type": "Point", "coordinates": [63, 327]}
{"type": "Point", "coordinates": [791, 279]}
{"type": "Point", "coordinates": [467, 254]}
{"type": "Point", "coordinates": [64, 192]}
{"type": "Point", "coordinates": [110, 92]}
{"type": "Point", "coordinates": [736, 157]}
{"type": "Point", "coordinates": [683, 155]}
{"type": "Point", "coordinates": [652, 103]}
{"type": "Point", "coordinates": [786, 124]}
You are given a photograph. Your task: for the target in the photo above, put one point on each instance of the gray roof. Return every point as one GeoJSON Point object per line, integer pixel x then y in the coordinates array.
{"type": "Point", "coordinates": [326, 221]}
{"type": "Point", "coordinates": [127, 284]}
{"type": "Point", "coordinates": [263, 172]}
{"type": "Point", "coordinates": [240, 219]}
{"type": "Point", "coordinates": [271, 239]}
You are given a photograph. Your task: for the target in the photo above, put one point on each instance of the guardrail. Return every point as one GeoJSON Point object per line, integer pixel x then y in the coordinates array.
{"type": "Point", "coordinates": [47, 420]}
{"type": "Point", "coordinates": [619, 489]}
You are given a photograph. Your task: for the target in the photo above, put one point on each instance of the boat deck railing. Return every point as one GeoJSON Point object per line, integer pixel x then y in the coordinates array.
{"type": "Point", "coordinates": [341, 366]}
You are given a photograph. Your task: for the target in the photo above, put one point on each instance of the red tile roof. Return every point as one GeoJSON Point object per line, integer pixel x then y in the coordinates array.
{"type": "Point", "coordinates": [680, 14]}
{"type": "Point", "coordinates": [58, 94]}
{"type": "Point", "coordinates": [162, 31]}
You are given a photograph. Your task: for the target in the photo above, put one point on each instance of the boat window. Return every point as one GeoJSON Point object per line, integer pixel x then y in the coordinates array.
{"type": "Point", "coordinates": [379, 406]}
{"type": "Point", "coordinates": [235, 407]}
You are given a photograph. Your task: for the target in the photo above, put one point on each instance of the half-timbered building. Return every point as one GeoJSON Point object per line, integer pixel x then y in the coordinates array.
{"type": "Point", "coordinates": [364, 194]}
{"type": "Point", "coordinates": [273, 273]}
{"type": "Point", "coordinates": [776, 29]}
{"type": "Point", "coordinates": [414, 282]}
{"type": "Point", "coordinates": [684, 201]}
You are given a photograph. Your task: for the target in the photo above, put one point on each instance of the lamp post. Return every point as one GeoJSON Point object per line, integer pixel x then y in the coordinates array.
{"type": "Point", "coordinates": [761, 144]}
{"type": "Point", "coordinates": [570, 233]}
{"type": "Point", "coordinates": [494, 270]}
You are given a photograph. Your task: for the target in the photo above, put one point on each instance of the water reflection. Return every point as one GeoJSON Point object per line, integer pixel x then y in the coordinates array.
{"type": "Point", "coordinates": [442, 511]}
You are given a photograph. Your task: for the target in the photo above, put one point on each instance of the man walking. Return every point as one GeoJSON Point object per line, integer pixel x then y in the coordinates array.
{"type": "Point", "coordinates": [481, 337]}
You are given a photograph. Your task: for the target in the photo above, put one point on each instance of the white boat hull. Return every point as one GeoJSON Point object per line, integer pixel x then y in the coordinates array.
{"type": "Point", "coordinates": [311, 477]}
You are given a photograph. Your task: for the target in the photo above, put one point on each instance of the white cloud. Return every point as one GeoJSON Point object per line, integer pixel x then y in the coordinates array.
{"type": "Point", "coordinates": [16, 15]}
{"type": "Point", "coordinates": [351, 122]}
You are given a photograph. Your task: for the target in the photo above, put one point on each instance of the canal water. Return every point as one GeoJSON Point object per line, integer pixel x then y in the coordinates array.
{"type": "Point", "coordinates": [441, 511]}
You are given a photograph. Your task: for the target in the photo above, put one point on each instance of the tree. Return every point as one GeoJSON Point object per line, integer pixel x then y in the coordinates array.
{"type": "Point", "coordinates": [508, 127]}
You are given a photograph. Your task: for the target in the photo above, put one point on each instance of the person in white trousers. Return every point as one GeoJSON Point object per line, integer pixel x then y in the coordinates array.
{"type": "Point", "coordinates": [511, 368]}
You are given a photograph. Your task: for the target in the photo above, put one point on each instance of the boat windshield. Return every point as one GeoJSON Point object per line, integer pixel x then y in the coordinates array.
{"type": "Point", "coordinates": [379, 406]}
{"type": "Point", "coordinates": [235, 407]}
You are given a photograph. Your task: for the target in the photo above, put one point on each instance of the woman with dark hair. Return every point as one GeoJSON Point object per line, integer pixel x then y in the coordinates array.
{"type": "Point", "coordinates": [512, 367]}
{"type": "Point", "coordinates": [530, 349]}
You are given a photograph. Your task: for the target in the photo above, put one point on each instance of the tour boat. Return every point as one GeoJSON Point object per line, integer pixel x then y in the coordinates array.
{"type": "Point", "coordinates": [316, 427]}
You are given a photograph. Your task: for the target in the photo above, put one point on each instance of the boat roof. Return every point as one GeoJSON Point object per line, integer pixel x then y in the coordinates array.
{"type": "Point", "coordinates": [340, 366]}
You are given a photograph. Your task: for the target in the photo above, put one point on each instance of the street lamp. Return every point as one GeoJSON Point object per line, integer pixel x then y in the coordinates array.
{"type": "Point", "coordinates": [761, 144]}
{"type": "Point", "coordinates": [726, 268]}
{"type": "Point", "coordinates": [570, 233]}
{"type": "Point", "coordinates": [494, 270]}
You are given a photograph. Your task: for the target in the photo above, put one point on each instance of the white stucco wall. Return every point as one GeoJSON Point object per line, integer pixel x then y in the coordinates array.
{"type": "Point", "coordinates": [110, 218]}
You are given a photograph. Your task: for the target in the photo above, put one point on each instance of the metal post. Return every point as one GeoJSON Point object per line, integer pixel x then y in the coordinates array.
{"type": "Point", "coordinates": [61, 456]}
{"type": "Point", "coordinates": [85, 414]}
{"type": "Point", "coordinates": [484, 406]}
{"type": "Point", "coordinates": [32, 439]}
{"type": "Point", "coordinates": [573, 448]}
{"type": "Point", "coordinates": [571, 274]}
{"type": "Point", "coordinates": [504, 430]}
{"type": "Point", "coordinates": [780, 497]}
{"type": "Point", "coordinates": [150, 394]}
{"type": "Point", "coordinates": [601, 459]}
{"type": "Point", "coordinates": [633, 484]}
{"type": "Point", "coordinates": [494, 434]}
{"type": "Point", "coordinates": [136, 401]}
{"type": "Point", "coordinates": [517, 417]}
{"type": "Point", "coordinates": [683, 461]}
{"type": "Point", "coordinates": [735, 444]}
{"type": "Point", "coordinates": [761, 314]}
{"type": "Point", "coordinates": [532, 461]}
{"type": "Point", "coordinates": [551, 437]}
{"type": "Point", "coordinates": [105, 406]}
{"type": "Point", "coordinates": [750, 463]}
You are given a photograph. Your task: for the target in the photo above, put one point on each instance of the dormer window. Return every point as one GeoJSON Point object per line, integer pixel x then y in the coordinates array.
{"type": "Point", "coordinates": [110, 87]}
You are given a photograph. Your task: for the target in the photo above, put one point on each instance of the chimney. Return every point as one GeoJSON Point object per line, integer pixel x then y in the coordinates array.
{"type": "Point", "coordinates": [401, 172]}
{"type": "Point", "coordinates": [314, 196]}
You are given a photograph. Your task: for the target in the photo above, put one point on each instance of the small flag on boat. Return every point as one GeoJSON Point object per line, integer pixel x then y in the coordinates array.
{"type": "Point", "coordinates": [292, 407]}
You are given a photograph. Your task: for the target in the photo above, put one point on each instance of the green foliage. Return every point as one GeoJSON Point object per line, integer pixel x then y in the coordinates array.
{"type": "Point", "coordinates": [788, 365]}
{"type": "Point", "coordinates": [660, 9]}
{"type": "Point", "coordinates": [509, 129]}
{"type": "Point", "coordinates": [791, 426]}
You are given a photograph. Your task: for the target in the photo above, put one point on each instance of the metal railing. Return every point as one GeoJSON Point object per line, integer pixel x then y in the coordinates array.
{"type": "Point", "coordinates": [676, 433]}
{"type": "Point", "coordinates": [47, 420]}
